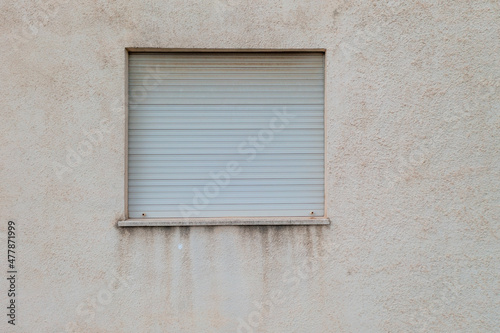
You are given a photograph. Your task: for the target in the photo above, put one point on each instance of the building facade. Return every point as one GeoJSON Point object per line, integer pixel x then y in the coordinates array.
{"type": "Point", "coordinates": [411, 172]}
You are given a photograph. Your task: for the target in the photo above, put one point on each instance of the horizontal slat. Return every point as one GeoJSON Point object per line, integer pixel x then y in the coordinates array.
{"type": "Point", "coordinates": [272, 144]}
{"type": "Point", "coordinates": [206, 176]}
{"type": "Point", "coordinates": [164, 192]}
{"type": "Point", "coordinates": [226, 88]}
{"type": "Point", "coordinates": [228, 207]}
{"type": "Point", "coordinates": [215, 58]}
{"type": "Point", "coordinates": [228, 59]}
{"type": "Point", "coordinates": [238, 115]}
{"type": "Point", "coordinates": [260, 156]}
{"type": "Point", "coordinates": [214, 101]}
{"type": "Point", "coordinates": [221, 164]}
{"type": "Point", "coordinates": [224, 76]}
{"type": "Point", "coordinates": [228, 195]}
{"type": "Point", "coordinates": [226, 132]}
{"type": "Point", "coordinates": [217, 200]}
{"type": "Point", "coordinates": [229, 62]}
{"type": "Point", "coordinates": [221, 119]}
{"type": "Point", "coordinates": [254, 212]}
{"type": "Point", "coordinates": [154, 66]}
{"type": "Point", "coordinates": [268, 114]}
{"type": "Point", "coordinates": [196, 169]}
{"type": "Point", "coordinates": [274, 119]}
{"type": "Point", "coordinates": [237, 61]}
{"type": "Point", "coordinates": [222, 81]}
{"type": "Point", "coordinates": [226, 125]}
{"type": "Point", "coordinates": [224, 56]}
{"type": "Point", "coordinates": [275, 109]}
{"type": "Point", "coordinates": [234, 182]}
{"type": "Point", "coordinates": [277, 137]}
{"type": "Point", "coordinates": [163, 70]}
{"type": "Point", "coordinates": [216, 151]}
{"type": "Point", "coordinates": [153, 96]}
{"type": "Point", "coordinates": [237, 185]}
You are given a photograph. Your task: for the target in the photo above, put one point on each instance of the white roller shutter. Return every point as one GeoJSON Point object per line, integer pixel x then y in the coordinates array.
{"type": "Point", "coordinates": [225, 135]}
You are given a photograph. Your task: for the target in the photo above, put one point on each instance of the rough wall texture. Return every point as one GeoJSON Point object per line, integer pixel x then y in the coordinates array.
{"type": "Point", "coordinates": [413, 172]}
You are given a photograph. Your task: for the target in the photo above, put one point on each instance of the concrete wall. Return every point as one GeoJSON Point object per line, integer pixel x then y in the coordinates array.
{"type": "Point", "coordinates": [413, 172]}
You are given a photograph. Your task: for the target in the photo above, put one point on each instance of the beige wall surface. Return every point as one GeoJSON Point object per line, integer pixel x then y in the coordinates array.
{"type": "Point", "coordinates": [412, 167]}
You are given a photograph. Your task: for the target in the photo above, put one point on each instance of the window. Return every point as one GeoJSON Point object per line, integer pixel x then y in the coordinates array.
{"type": "Point", "coordinates": [226, 135]}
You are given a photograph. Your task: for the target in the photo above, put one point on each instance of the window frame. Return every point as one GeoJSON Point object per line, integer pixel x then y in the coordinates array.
{"type": "Point", "coordinates": [225, 221]}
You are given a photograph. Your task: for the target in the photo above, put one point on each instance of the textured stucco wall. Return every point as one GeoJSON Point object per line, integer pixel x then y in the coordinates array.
{"type": "Point", "coordinates": [413, 170]}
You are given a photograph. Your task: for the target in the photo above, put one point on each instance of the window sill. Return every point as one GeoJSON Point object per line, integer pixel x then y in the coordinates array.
{"type": "Point", "coordinates": [200, 222]}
